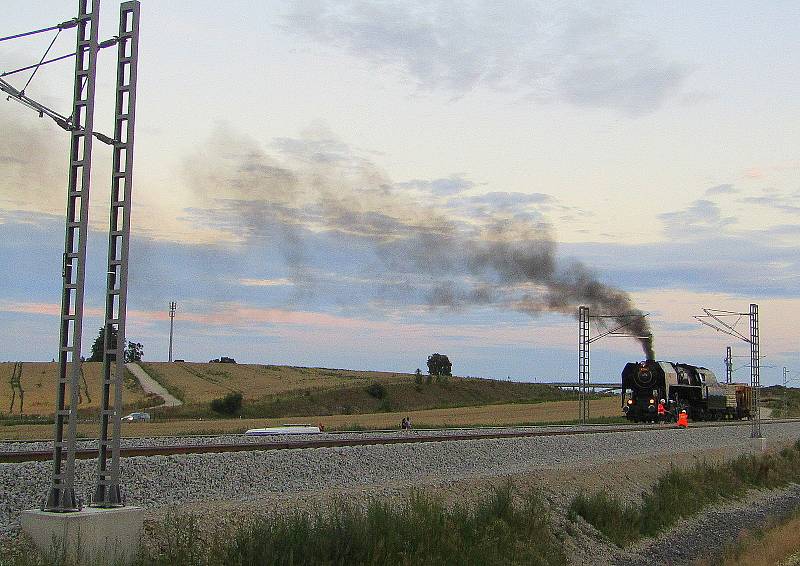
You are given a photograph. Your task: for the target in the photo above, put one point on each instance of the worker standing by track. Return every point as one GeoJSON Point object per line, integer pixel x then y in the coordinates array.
{"type": "Point", "coordinates": [662, 412]}
{"type": "Point", "coordinates": [683, 419]}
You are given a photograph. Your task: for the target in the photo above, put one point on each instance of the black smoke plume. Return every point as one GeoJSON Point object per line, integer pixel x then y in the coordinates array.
{"type": "Point", "coordinates": [319, 185]}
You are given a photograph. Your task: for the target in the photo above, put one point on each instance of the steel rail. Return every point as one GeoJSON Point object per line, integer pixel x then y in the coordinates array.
{"type": "Point", "coordinates": [490, 434]}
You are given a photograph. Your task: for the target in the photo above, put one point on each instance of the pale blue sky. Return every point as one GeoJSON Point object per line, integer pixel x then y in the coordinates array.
{"type": "Point", "coordinates": [292, 158]}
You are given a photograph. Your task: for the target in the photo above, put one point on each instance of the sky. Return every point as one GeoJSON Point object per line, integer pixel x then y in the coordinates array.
{"type": "Point", "coordinates": [358, 185]}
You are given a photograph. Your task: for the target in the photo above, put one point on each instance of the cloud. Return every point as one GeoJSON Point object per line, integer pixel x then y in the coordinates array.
{"type": "Point", "coordinates": [701, 218]}
{"type": "Point", "coordinates": [585, 55]}
{"type": "Point", "coordinates": [726, 189]}
{"type": "Point", "coordinates": [452, 185]}
{"type": "Point", "coordinates": [31, 176]}
{"type": "Point", "coordinates": [788, 203]}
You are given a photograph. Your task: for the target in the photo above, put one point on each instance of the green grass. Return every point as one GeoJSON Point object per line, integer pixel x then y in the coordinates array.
{"type": "Point", "coordinates": [505, 527]}
{"type": "Point", "coordinates": [172, 390]}
{"type": "Point", "coordinates": [683, 492]}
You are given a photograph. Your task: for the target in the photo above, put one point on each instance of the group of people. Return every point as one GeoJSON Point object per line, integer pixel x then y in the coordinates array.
{"type": "Point", "coordinates": [661, 411]}
{"type": "Point", "coordinates": [405, 424]}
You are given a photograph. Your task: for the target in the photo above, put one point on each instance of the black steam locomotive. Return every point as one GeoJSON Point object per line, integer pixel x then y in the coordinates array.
{"type": "Point", "coordinates": [681, 386]}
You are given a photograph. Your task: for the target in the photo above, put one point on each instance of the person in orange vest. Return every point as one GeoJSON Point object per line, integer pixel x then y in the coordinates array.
{"type": "Point", "coordinates": [683, 419]}
{"type": "Point", "coordinates": [662, 411]}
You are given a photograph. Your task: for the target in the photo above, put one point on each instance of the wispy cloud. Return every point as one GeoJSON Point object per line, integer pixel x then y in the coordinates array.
{"type": "Point", "coordinates": [725, 189]}
{"type": "Point", "coordinates": [587, 55]}
{"type": "Point", "coordinates": [699, 219]}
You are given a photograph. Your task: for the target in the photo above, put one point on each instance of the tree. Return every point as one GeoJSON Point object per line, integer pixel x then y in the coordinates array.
{"type": "Point", "coordinates": [418, 377]}
{"type": "Point", "coordinates": [439, 365]}
{"type": "Point", "coordinates": [97, 346]}
{"type": "Point", "coordinates": [134, 352]}
{"type": "Point", "coordinates": [228, 405]}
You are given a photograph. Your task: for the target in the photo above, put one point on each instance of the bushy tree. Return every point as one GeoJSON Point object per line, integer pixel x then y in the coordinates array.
{"type": "Point", "coordinates": [134, 352]}
{"type": "Point", "coordinates": [418, 377]}
{"type": "Point", "coordinates": [439, 365]}
{"type": "Point", "coordinates": [228, 405]}
{"type": "Point", "coordinates": [377, 390]}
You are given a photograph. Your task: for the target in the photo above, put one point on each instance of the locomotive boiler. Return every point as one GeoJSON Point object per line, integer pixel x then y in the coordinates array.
{"type": "Point", "coordinates": [681, 386]}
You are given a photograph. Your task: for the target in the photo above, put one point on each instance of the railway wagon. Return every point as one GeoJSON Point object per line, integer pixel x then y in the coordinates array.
{"type": "Point", "coordinates": [681, 386]}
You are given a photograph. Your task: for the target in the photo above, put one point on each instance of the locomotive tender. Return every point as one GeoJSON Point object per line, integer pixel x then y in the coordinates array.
{"type": "Point", "coordinates": [683, 386]}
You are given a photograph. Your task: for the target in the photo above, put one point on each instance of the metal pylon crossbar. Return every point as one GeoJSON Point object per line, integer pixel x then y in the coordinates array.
{"type": "Point", "coordinates": [61, 496]}
{"type": "Point", "coordinates": [107, 490]}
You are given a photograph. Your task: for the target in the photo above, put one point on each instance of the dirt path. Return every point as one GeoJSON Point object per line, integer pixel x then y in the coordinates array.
{"type": "Point", "coordinates": [150, 385]}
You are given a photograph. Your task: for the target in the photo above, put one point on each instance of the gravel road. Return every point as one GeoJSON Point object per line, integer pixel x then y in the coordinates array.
{"type": "Point", "coordinates": [150, 385]}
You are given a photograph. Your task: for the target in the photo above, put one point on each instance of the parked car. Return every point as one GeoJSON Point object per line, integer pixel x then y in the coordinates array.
{"type": "Point", "coordinates": [136, 417]}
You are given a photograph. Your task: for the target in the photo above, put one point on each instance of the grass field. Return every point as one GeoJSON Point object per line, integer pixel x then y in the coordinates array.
{"type": "Point", "coordinates": [282, 391]}
{"type": "Point", "coordinates": [38, 384]}
{"type": "Point", "coordinates": [494, 415]}
{"type": "Point", "coordinates": [201, 383]}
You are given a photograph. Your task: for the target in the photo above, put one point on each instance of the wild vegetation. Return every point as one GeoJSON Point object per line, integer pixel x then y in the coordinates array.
{"type": "Point", "coordinates": [784, 401]}
{"type": "Point", "coordinates": [683, 492]}
{"type": "Point", "coordinates": [777, 543]}
{"type": "Point", "coordinates": [506, 527]}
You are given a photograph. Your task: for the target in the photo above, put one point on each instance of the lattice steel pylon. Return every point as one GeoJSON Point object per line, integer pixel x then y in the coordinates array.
{"type": "Point", "coordinates": [61, 496]}
{"type": "Point", "coordinates": [107, 490]}
{"type": "Point", "coordinates": [583, 364]}
{"type": "Point", "coordinates": [755, 373]}
{"type": "Point", "coordinates": [623, 320]}
{"type": "Point", "coordinates": [728, 365]}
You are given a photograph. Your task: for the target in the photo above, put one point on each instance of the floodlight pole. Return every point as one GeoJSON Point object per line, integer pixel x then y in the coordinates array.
{"type": "Point", "coordinates": [172, 307]}
{"type": "Point", "coordinates": [107, 490]}
{"type": "Point", "coordinates": [61, 496]}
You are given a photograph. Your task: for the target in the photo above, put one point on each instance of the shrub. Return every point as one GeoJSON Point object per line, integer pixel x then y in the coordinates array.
{"type": "Point", "coordinates": [228, 405]}
{"type": "Point", "coordinates": [377, 390]}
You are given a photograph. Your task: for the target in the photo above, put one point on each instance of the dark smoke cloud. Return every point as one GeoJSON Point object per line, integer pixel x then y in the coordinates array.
{"type": "Point", "coordinates": [318, 185]}
{"type": "Point", "coordinates": [33, 161]}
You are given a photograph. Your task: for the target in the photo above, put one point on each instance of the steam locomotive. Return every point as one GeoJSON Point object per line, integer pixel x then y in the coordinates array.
{"type": "Point", "coordinates": [682, 386]}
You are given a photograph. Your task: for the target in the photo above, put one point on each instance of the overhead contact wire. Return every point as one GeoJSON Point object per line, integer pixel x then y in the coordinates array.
{"type": "Point", "coordinates": [63, 25]}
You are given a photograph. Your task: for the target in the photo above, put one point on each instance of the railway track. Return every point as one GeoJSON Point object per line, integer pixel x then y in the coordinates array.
{"type": "Point", "coordinates": [366, 438]}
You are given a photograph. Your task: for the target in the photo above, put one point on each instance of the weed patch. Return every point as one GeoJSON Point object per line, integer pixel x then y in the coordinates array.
{"type": "Point", "coordinates": [504, 528]}
{"type": "Point", "coordinates": [683, 492]}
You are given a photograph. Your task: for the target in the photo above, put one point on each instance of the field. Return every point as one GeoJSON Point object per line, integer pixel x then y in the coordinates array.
{"type": "Point", "coordinates": [494, 415]}
{"type": "Point", "coordinates": [339, 399]}
{"type": "Point", "coordinates": [36, 393]}
{"type": "Point", "coordinates": [200, 383]}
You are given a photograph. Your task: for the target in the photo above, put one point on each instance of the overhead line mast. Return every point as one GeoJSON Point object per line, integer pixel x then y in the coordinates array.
{"type": "Point", "coordinates": [61, 496]}
{"type": "Point", "coordinates": [80, 124]}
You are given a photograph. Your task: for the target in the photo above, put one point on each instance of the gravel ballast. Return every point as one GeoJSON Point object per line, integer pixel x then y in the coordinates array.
{"type": "Point", "coordinates": [246, 476]}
